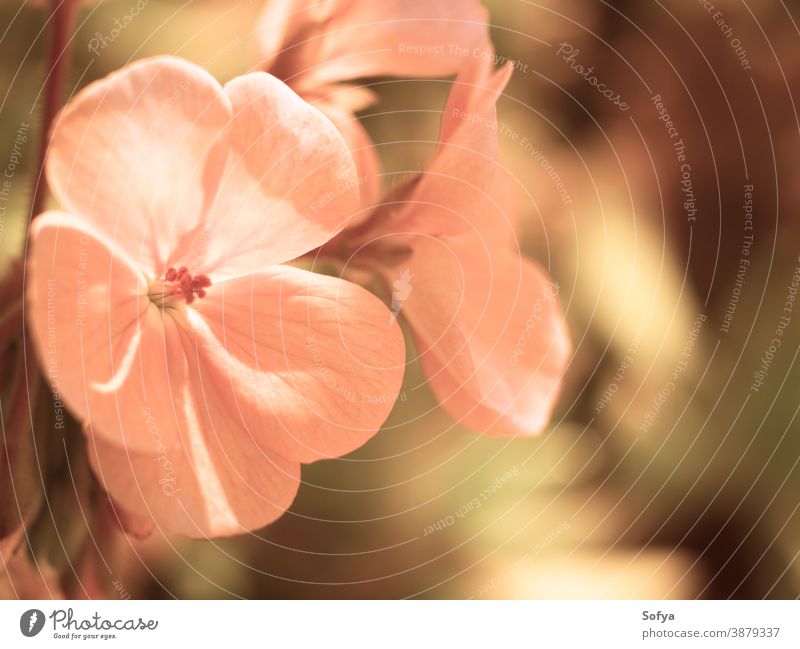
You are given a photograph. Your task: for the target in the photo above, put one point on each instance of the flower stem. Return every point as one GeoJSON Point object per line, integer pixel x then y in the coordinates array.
{"type": "Point", "coordinates": [10, 322]}
{"type": "Point", "coordinates": [63, 17]}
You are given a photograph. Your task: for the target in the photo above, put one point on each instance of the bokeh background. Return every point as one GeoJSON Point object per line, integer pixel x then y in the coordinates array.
{"type": "Point", "coordinates": [668, 471]}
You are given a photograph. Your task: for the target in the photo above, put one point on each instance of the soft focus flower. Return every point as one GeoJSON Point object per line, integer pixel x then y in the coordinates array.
{"type": "Point", "coordinates": [205, 369]}
{"type": "Point", "coordinates": [486, 321]}
{"type": "Point", "coordinates": [322, 47]}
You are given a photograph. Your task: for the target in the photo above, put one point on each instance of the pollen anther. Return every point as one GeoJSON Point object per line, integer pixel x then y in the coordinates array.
{"type": "Point", "coordinates": [179, 284]}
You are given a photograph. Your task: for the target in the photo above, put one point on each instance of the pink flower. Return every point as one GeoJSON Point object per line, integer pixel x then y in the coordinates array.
{"type": "Point", "coordinates": [205, 369]}
{"type": "Point", "coordinates": [316, 45]}
{"type": "Point", "coordinates": [485, 320]}
{"type": "Point", "coordinates": [321, 48]}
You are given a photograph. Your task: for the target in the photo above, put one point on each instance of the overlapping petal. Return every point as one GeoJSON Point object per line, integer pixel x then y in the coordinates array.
{"type": "Point", "coordinates": [450, 195]}
{"type": "Point", "coordinates": [506, 321]}
{"type": "Point", "coordinates": [263, 177]}
{"type": "Point", "coordinates": [363, 150]}
{"type": "Point", "coordinates": [215, 485]}
{"type": "Point", "coordinates": [311, 43]}
{"type": "Point", "coordinates": [107, 349]}
{"type": "Point", "coordinates": [485, 320]}
{"type": "Point", "coordinates": [290, 184]}
{"type": "Point", "coordinates": [138, 154]}
{"type": "Point", "coordinates": [308, 364]}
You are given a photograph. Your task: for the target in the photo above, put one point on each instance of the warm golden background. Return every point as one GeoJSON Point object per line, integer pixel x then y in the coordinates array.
{"type": "Point", "coordinates": [627, 494]}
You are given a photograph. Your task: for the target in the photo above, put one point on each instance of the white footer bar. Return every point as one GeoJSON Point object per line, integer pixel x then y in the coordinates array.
{"type": "Point", "coordinates": [379, 624]}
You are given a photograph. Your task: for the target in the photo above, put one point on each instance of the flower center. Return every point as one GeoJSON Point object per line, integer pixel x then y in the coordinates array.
{"type": "Point", "coordinates": [178, 285]}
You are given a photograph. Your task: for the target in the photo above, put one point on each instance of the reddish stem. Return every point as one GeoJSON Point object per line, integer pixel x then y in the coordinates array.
{"type": "Point", "coordinates": [10, 322]}
{"type": "Point", "coordinates": [63, 17]}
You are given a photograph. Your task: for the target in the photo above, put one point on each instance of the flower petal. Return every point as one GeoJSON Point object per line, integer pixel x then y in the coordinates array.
{"type": "Point", "coordinates": [138, 154]}
{"type": "Point", "coordinates": [216, 485]}
{"type": "Point", "coordinates": [282, 21]}
{"type": "Point", "coordinates": [105, 347]}
{"type": "Point", "coordinates": [310, 43]}
{"type": "Point", "coordinates": [451, 194]}
{"type": "Point", "coordinates": [309, 365]}
{"type": "Point", "coordinates": [507, 320]}
{"type": "Point", "coordinates": [500, 223]}
{"type": "Point", "coordinates": [432, 301]}
{"type": "Point", "coordinates": [362, 148]}
{"type": "Point", "coordinates": [291, 183]}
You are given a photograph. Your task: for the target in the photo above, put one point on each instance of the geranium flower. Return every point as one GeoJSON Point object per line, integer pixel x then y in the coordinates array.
{"type": "Point", "coordinates": [485, 320]}
{"type": "Point", "coordinates": [322, 47]}
{"type": "Point", "coordinates": [205, 369]}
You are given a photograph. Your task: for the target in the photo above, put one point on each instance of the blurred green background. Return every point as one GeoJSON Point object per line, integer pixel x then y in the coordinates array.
{"type": "Point", "coordinates": [663, 473]}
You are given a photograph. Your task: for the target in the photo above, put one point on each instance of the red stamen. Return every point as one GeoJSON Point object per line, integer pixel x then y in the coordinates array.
{"type": "Point", "coordinates": [180, 283]}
